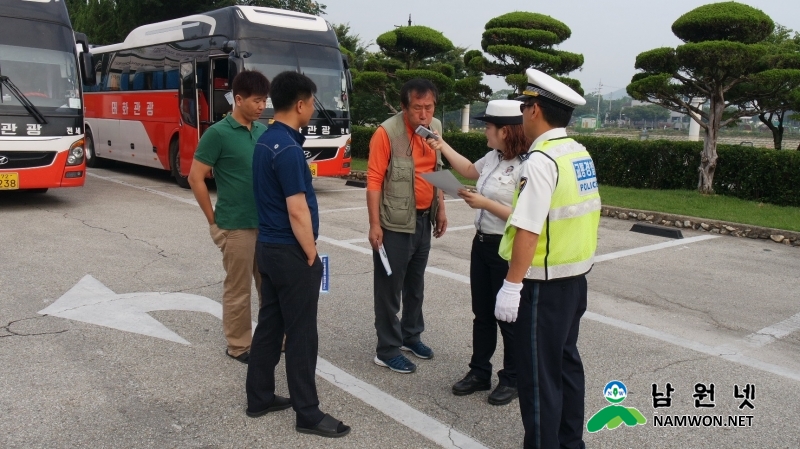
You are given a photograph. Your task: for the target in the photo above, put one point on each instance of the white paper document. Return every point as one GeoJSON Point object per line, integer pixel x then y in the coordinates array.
{"type": "Point", "coordinates": [385, 260]}
{"type": "Point", "coordinates": [445, 181]}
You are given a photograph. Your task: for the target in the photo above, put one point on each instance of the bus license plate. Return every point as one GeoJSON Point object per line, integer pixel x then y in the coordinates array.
{"type": "Point", "coordinates": [313, 168]}
{"type": "Point", "coordinates": [9, 181]}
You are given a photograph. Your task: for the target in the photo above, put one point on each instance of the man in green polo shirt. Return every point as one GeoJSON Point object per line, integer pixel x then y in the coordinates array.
{"type": "Point", "coordinates": [227, 148]}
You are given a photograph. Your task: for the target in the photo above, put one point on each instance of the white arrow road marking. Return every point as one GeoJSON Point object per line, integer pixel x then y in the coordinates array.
{"type": "Point", "coordinates": [89, 301]}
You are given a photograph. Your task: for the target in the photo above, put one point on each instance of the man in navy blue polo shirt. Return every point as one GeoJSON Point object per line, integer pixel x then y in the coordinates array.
{"type": "Point", "coordinates": [291, 271]}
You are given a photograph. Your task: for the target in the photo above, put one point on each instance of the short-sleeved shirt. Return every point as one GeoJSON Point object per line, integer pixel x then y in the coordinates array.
{"type": "Point", "coordinates": [227, 146]}
{"type": "Point", "coordinates": [497, 181]}
{"type": "Point", "coordinates": [541, 175]}
{"type": "Point", "coordinates": [280, 171]}
{"type": "Point", "coordinates": [380, 151]}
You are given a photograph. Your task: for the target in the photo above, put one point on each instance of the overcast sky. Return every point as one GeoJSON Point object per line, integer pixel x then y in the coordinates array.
{"type": "Point", "coordinates": [609, 34]}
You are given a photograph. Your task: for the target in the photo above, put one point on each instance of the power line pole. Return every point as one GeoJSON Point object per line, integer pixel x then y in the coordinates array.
{"type": "Point", "coordinates": [599, 89]}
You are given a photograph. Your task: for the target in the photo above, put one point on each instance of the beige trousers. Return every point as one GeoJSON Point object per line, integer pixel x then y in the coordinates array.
{"type": "Point", "coordinates": [238, 248]}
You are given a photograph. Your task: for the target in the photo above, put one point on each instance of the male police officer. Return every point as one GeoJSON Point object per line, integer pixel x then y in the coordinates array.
{"type": "Point", "coordinates": [550, 240]}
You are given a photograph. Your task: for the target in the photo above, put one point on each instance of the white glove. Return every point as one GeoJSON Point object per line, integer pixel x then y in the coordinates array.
{"type": "Point", "coordinates": [507, 304]}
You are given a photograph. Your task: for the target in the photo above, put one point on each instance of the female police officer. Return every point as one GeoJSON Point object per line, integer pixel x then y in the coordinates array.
{"type": "Point", "coordinates": [497, 174]}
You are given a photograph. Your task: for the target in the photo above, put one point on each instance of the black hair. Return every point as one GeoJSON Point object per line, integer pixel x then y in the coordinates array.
{"type": "Point", "coordinates": [250, 83]}
{"type": "Point", "coordinates": [290, 87]}
{"type": "Point", "coordinates": [555, 114]}
{"type": "Point", "coordinates": [418, 87]}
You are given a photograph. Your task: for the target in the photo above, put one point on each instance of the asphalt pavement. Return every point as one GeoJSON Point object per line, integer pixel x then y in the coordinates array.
{"type": "Point", "coordinates": [110, 333]}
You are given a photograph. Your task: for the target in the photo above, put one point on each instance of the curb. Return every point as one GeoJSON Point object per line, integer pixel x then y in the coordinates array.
{"type": "Point", "coordinates": [788, 238]}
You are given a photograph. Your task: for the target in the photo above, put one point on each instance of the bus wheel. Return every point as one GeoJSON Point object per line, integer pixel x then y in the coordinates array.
{"type": "Point", "coordinates": [91, 156]}
{"type": "Point", "coordinates": [175, 165]}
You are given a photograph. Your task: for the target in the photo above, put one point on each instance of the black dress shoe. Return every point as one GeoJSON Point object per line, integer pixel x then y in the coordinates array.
{"type": "Point", "coordinates": [279, 403]}
{"type": "Point", "coordinates": [502, 395]}
{"type": "Point", "coordinates": [470, 384]}
{"type": "Point", "coordinates": [243, 357]}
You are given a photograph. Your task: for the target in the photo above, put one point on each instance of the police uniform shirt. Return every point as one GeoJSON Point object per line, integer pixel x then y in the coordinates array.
{"type": "Point", "coordinates": [497, 182]}
{"type": "Point", "coordinates": [537, 182]}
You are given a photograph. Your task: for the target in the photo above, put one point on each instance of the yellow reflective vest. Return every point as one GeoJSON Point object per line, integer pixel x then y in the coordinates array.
{"type": "Point", "coordinates": [568, 239]}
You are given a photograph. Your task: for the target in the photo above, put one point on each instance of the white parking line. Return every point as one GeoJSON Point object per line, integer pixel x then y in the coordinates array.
{"type": "Point", "coordinates": [398, 410]}
{"type": "Point", "coordinates": [146, 189]}
{"type": "Point", "coordinates": [348, 209]}
{"type": "Point", "coordinates": [647, 249]}
{"type": "Point", "coordinates": [775, 332]}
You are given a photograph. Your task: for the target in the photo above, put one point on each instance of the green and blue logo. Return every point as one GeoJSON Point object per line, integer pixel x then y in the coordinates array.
{"type": "Point", "coordinates": [615, 415]}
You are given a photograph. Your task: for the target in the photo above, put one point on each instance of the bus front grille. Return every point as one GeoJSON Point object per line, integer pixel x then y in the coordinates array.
{"type": "Point", "coordinates": [26, 159]}
{"type": "Point", "coordinates": [321, 153]}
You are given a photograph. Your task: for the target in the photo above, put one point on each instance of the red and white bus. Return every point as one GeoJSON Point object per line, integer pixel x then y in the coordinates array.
{"type": "Point", "coordinates": [158, 91]}
{"type": "Point", "coordinates": [41, 113]}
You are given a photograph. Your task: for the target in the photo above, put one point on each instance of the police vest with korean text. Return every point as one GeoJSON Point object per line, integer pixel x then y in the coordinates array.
{"type": "Point", "coordinates": [398, 210]}
{"type": "Point", "coordinates": [568, 239]}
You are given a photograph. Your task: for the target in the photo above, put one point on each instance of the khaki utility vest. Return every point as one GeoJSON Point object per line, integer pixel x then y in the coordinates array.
{"type": "Point", "coordinates": [398, 211]}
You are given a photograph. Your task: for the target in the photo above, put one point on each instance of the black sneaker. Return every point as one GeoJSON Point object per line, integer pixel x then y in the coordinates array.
{"type": "Point", "coordinates": [419, 349]}
{"type": "Point", "coordinates": [470, 384]}
{"type": "Point", "coordinates": [399, 364]}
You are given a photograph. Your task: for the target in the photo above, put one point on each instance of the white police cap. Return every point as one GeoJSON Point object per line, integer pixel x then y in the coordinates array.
{"type": "Point", "coordinates": [541, 84]}
{"type": "Point", "coordinates": [502, 112]}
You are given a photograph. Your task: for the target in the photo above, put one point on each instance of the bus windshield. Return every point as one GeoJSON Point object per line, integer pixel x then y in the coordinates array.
{"type": "Point", "coordinates": [45, 71]}
{"type": "Point", "coordinates": [321, 64]}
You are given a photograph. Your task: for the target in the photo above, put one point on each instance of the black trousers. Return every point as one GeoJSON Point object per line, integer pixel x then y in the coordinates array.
{"type": "Point", "coordinates": [290, 293]}
{"type": "Point", "coordinates": [408, 257]}
{"type": "Point", "coordinates": [487, 270]}
{"type": "Point", "coordinates": [551, 380]}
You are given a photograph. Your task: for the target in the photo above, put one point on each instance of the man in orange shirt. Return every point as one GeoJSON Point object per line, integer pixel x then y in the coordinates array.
{"type": "Point", "coordinates": [404, 210]}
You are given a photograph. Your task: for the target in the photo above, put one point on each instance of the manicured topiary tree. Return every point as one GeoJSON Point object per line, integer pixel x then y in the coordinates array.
{"type": "Point", "coordinates": [520, 40]}
{"type": "Point", "coordinates": [406, 53]}
{"type": "Point", "coordinates": [724, 47]}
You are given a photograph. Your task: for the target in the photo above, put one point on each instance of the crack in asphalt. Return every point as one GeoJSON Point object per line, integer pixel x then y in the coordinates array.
{"type": "Point", "coordinates": [338, 382]}
{"type": "Point", "coordinates": [7, 328]}
{"type": "Point", "coordinates": [197, 288]}
{"type": "Point", "coordinates": [66, 215]}
{"type": "Point", "coordinates": [353, 274]}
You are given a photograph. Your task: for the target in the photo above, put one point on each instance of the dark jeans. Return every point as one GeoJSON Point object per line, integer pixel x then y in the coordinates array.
{"type": "Point", "coordinates": [551, 380]}
{"type": "Point", "coordinates": [408, 257]}
{"type": "Point", "coordinates": [487, 270]}
{"type": "Point", "coordinates": [289, 292]}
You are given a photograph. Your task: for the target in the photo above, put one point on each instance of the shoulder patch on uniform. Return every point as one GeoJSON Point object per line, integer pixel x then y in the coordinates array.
{"type": "Point", "coordinates": [523, 181]}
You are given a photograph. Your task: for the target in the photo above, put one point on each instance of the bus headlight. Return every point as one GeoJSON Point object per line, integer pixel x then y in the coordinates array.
{"type": "Point", "coordinates": [347, 148]}
{"type": "Point", "coordinates": [76, 154]}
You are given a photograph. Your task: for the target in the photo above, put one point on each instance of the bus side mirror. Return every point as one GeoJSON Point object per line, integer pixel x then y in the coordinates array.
{"type": "Point", "coordinates": [229, 46]}
{"type": "Point", "coordinates": [87, 66]}
{"type": "Point", "coordinates": [348, 76]}
{"type": "Point", "coordinates": [87, 70]}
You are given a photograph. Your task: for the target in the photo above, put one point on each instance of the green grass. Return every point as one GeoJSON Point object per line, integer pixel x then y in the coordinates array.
{"type": "Point", "coordinates": [714, 207]}
{"type": "Point", "coordinates": [687, 202]}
